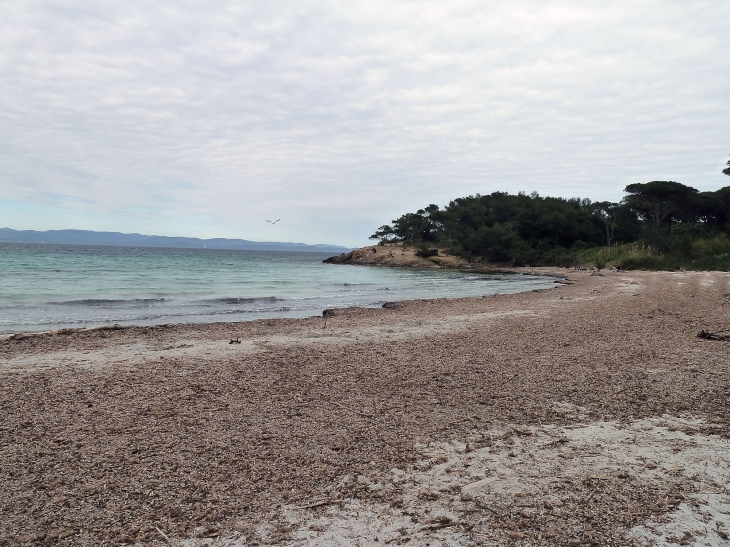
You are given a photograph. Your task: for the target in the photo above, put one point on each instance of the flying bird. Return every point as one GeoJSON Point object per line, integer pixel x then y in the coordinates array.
{"type": "Point", "coordinates": [274, 221]}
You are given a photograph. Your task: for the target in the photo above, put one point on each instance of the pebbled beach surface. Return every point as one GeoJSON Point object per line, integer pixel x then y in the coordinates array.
{"type": "Point", "coordinates": [587, 414]}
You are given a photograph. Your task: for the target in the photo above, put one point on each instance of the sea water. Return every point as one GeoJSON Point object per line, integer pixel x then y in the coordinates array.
{"type": "Point", "coordinates": [45, 287]}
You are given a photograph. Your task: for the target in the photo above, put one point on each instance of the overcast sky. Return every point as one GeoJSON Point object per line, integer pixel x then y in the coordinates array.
{"type": "Point", "coordinates": [207, 118]}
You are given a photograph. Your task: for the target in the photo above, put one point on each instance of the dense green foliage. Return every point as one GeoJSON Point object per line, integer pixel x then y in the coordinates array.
{"type": "Point", "coordinates": [659, 224]}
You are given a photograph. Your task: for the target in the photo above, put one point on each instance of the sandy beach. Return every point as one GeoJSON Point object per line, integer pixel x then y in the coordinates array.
{"type": "Point", "coordinates": [586, 414]}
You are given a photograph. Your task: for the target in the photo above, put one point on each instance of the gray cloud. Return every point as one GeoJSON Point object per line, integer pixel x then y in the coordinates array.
{"type": "Point", "coordinates": [205, 118]}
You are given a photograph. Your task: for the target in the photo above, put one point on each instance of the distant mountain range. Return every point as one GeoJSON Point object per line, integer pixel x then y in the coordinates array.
{"type": "Point", "coordinates": [117, 239]}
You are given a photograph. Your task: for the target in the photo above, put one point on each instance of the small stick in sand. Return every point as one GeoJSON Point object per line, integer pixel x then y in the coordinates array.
{"type": "Point", "coordinates": [343, 407]}
{"type": "Point", "coordinates": [484, 506]}
{"type": "Point", "coordinates": [163, 534]}
{"type": "Point", "coordinates": [319, 504]}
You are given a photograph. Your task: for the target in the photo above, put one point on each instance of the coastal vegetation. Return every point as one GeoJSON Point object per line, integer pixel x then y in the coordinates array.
{"type": "Point", "coordinates": [657, 225]}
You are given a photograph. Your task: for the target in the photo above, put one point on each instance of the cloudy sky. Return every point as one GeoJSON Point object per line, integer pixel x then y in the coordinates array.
{"type": "Point", "coordinates": [207, 118]}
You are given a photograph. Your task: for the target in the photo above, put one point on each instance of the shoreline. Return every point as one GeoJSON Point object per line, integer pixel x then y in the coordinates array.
{"type": "Point", "coordinates": [116, 326]}
{"type": "Point", "coordinates": [256, 327]}
{"type": "Point", "coordinates": [383, 424]}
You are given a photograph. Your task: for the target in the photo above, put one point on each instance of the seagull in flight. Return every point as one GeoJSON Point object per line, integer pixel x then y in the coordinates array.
{"type": "Point", "coordinates": [274, 221]}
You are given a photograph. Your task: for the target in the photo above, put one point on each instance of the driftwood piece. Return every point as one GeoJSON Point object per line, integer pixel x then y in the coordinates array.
{"type": "Point", "coordinates": [706, 335]}
{"type": "Point", "coordinates": [326, 314]}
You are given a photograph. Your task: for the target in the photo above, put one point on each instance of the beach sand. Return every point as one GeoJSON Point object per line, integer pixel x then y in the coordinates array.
{"type": "Point", "coordinates": [587, 414]}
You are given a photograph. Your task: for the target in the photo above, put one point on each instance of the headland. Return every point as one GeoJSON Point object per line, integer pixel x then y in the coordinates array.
{"type": "Point", "coordinates": [403, 256]}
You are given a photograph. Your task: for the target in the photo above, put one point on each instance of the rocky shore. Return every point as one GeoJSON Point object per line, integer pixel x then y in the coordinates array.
{"type": "Point", "coordinates": [397, 255]}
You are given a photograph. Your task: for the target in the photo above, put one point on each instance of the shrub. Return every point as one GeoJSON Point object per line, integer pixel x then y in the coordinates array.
{"type": "Point", "coordinates": [425, 252]}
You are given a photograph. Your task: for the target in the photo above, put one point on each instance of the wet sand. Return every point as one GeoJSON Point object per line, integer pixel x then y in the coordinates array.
{"type": "Point", "coordinates": [590, 413]}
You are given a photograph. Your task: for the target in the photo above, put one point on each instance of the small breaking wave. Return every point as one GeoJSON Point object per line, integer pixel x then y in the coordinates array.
{"type": "Point", "coordinates": [241, 300]}
{"type": "Point", "coordinates": [110, 302]}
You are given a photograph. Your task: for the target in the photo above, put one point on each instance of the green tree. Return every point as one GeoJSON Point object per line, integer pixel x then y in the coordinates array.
{"type": "Point", "coordinates": [385, 234]}
{"type": "Point", "coordinates": [608, 213]}
{"type": "Point", "coordinates": [723, 194]}
{"type": "Point", "coordinates": [710, 209]}
{"type": "Point", "coordinates": [727, 169]}
{"type": "Point", "coordinates": [659, 201]}
{"type": "Point", "coordinates": [423, 225]}
{"type": "Point", "coordinates": [498, 243]}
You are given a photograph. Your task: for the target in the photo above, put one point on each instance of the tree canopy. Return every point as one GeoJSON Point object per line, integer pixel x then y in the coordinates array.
{"type": "Point", "coordinates": [659, 201]}
{"type": "Point", "coordinates": [503, 227]}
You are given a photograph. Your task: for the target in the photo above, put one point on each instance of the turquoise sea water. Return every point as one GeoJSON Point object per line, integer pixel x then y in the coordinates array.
{"type": "Point", "coordinates": [45, 287]}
